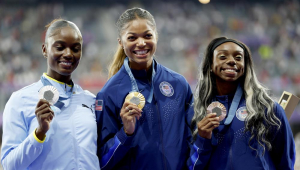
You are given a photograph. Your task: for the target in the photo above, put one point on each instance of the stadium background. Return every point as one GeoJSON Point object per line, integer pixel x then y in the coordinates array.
{"type": "Point", "coordinates": [270, 28]}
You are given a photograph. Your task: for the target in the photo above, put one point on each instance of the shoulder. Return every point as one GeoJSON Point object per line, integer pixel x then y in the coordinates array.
{"type": "Point", "coordinates": [166, 72]}
{"type": "Point", "coordinates": [279, 111]}
{"type": "Point", "coordinates": [118, 80]}
{"type": "Point", "coordinates": [27, 91]}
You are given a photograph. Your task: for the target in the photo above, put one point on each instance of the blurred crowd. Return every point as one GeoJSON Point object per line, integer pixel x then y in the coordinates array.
{"type": "Point", "coordinates": [271, 30]}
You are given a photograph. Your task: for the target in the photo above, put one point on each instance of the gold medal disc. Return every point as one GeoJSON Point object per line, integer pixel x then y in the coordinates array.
{"type": "Point", "coordinates": [136, 98]}
{"type": "Point", "coordinates": [218, 108]}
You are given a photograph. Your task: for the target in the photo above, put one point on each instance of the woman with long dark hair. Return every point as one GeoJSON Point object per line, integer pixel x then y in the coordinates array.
{"type": "Point", "coordinates": [236, 124]}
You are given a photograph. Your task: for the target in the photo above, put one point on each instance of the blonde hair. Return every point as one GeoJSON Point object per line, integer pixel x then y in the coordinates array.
{"type": "Point", "coordinates": [117, 62]}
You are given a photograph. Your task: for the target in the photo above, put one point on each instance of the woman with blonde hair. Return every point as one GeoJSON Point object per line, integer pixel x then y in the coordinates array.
{"type": "Point", "coordinates": [144, 109]}
{"type": "Point", "coordinates": [236, 124]}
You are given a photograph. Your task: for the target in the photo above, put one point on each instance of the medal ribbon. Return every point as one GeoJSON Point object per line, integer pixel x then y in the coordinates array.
{"type": "Point", "coordinates": [61, 100]}
{"type": "Point", "coordinates": [134, 86]}
{"type": "Point", "coordinates": [234, 105]}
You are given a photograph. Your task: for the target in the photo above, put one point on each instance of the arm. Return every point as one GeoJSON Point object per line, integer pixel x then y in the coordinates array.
{"type": "Point", "coordinates": [200, 153]}
{"type": "Point", "coordinates": [113, 142]}
{"type": "Point", "coordinates": [283, 146]}
{"type": "Point", "coordinates": [19, 147]}
{"type": "Point", "coordinates": [200, 149]}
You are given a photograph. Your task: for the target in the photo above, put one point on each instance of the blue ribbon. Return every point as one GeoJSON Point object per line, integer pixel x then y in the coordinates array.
{"type": "Point", "coordinates": [134, 86]}
{"type": "Point", "coordinates": [234, 105]}
{"type": "Point", "coordinates": [59, 104]}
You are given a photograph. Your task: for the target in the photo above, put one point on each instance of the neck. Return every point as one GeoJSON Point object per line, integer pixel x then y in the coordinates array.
{"type": "Point", "coordinates": [61, 78]}
{"type": "Point", "coordinates": [226, 88]}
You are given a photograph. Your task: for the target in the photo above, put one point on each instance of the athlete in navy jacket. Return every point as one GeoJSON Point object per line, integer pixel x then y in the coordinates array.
{"type": "Point", "coordinates": [255, 134]}
{"type": "Point", "coordinates": [156, 136]}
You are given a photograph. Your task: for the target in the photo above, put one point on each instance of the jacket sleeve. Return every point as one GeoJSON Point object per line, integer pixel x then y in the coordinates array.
{"type": "Point", "coordinates": [19, 147]}
{"type": "Point", "coordinates": [283, 151]}
{"type": "Point", "coordinates": [113, 143]}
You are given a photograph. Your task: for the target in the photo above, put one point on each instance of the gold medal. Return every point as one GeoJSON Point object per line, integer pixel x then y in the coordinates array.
{"type": "Point", "coordinates": [218, 108]}
{"type": "Point", "coordinates": [136, 98]}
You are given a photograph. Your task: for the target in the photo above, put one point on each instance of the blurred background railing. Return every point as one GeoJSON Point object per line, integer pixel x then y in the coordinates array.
{"type": "Point", "coordinates": [270, 28]}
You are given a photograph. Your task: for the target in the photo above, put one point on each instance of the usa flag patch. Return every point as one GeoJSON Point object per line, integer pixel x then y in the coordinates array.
{"type": "Point", "coordinates": [99, 105]}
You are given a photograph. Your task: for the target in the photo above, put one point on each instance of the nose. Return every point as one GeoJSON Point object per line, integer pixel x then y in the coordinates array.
{"type": "Point", "coordinates": [68, 52]}
{"type": "Point", "coordinates": [141, 42]}
{"type": "Point", "coordinates": [231, 61]}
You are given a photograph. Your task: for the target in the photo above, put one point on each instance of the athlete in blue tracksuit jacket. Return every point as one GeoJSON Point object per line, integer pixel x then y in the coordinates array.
{"type": "Point", "coordinates": [255, 134]}
{"type": "Point", "coordinates": [229, 149]}
{"type": "Point", "coordinates": [161, 138]}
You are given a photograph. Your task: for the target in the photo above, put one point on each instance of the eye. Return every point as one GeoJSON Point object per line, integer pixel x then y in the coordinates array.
{"type": "Point", "coordinates": [148, 36]}
{"type": "Point", "coordinates": [239, 57]}
{"type": "Point", "coordinates": [131, 38]}
{"type": "Point", "coordinates": [77, 49]}
{"type": "Point", "coordinates": [59, 48]}
{"type": "Point", "coordinates": [222, 57]}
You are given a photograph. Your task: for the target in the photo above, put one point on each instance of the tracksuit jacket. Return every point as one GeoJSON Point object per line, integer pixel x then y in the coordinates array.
{"type": "Point", "coordinates": [229, 147]}
{"type": "Point", "coordinates": [162, 136]}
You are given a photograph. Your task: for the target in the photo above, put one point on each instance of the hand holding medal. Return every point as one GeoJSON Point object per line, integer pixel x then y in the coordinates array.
{"type": "Point", "coordinates": [48, 96]}
{"type": "Point", "coordinates": [218, 108]}
{"type": "Point", "coordinates": [131, 110]}
{"type": "Point", "coordinates": [216, 112]}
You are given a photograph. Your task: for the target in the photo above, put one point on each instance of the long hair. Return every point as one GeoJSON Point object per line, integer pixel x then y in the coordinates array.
{"type": "Point", "coordinates": [261, 118]}
{"type": "Point", "coordinates": [124, 19]}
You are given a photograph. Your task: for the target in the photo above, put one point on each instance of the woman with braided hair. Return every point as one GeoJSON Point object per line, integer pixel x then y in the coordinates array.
{"type": "Point", "coordinates": [236, 124]}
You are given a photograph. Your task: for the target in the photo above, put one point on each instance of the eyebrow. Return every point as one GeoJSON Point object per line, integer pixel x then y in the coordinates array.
{"type": "Point", "coordinates": [62, 42]}
{"type": "Point", "coordinates": [227, 50]}
{"type": "Point", "coordinates": [136, 33]}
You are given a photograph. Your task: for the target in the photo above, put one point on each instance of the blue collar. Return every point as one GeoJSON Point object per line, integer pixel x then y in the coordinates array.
{"type": "Point", "coordinates": [134, 86]}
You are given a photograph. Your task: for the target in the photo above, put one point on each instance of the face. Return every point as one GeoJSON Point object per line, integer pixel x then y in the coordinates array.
{"type": "Point", "coordinates": [63, 53]}
{"type": "Point", "coordinates": [228, 62]}
{"type": "Point", "coordinates": [139, 42]}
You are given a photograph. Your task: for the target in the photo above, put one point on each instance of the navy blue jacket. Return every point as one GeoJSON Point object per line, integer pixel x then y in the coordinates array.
{"type": "Point", "coordinates": [162, 136]}
{"type": "Point", "coordinates": [229, 147]}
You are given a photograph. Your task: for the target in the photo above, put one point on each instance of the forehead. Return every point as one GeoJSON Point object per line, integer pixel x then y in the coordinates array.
{"type": "Point", "coordinates": [230, 47]}
{"type": "Point", "coordinates": [65, 34]}
{"type": "Point", "coordinates": [137, 26]}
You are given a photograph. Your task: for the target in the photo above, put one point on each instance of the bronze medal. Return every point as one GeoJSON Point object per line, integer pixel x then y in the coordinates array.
{"type": "Point", "coordinates": [136, 98]}
{"type": "Point", "coordinates": [218, 108]}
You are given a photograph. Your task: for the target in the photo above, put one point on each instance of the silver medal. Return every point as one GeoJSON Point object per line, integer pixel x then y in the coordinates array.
{"type": "Point", "coordinates": [49, 93]}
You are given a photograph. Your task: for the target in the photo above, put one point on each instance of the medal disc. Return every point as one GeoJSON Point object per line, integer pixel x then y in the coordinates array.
{"type": "Point", "coordinates": [49, 93]}
{"type": "Point", "coordinates": [218, 108]}
{"type": "Point", "coordinates": [136, 98]}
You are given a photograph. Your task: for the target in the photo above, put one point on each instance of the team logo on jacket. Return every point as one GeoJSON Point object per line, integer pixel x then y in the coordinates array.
{"type": "Point", "coordinates": [166, 89]}
{"type": "Point", "coordinates": [98, 105]}
{"type": "Point", "coordinates": [241, 113]}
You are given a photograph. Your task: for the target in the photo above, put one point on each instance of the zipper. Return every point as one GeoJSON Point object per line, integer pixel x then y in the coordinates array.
{"type": "Point", "coordinates": [161, 135]}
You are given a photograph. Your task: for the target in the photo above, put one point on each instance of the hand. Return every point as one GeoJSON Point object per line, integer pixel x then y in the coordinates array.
{"type": "Point", "coordinates": [129, 113]}
{"type": "Point", "coordinates": [44, 115]}
{"type": "Point", "coordinates": [207, 124]}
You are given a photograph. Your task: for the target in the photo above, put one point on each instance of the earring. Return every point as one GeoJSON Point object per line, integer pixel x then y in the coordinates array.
{"type": "Point", "coordinates": [210, 70]}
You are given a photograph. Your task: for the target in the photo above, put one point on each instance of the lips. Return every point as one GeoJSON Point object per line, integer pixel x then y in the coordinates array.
{"type": "Point", "coordinates": [66, 64]}
{"type": "Point", "coordinates": [230, 71]}
{"type": "Point", "coordinates": [140, 52]}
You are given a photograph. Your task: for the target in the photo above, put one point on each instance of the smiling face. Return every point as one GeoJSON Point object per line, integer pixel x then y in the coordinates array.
{"type": "Point", "coordinates": [63, 53]}
{"type": "Point", "coordinates": [228, 62]}
{"type": "Point", "coordinates": [139, 41]}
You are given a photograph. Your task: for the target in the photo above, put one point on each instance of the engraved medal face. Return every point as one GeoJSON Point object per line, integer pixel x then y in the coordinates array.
{"type": "Point", "coordinates": [136, 98]}
{"type": "Point", "coordinates": [49, 93]}
{"type": "Point", "coordinates": [218, 108]}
